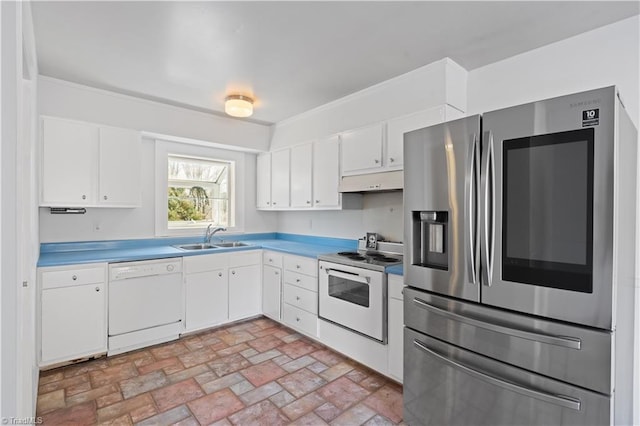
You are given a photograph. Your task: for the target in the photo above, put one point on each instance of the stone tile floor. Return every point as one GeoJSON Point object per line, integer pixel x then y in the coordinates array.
{"type": "Point", "coordinates": [257, 372]}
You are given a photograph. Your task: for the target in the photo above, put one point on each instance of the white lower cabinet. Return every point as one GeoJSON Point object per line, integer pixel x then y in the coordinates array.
{"type": "Point", "coordinates": [396, 327]}
{"type": "Point", "coordinates": [206, 291]}
{"type": "Point", "coordinates": [245, 289]}
{"type": "Point", "coordinates": [300, 294]}
{"type": "Point", "coordinates": [73, 312]}
{"type": "Point", "coordinates": [271, 291]}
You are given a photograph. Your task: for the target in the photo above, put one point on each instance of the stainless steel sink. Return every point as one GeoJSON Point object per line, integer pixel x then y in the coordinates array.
{"type": "Point", "coordinates": [200, 246]}
{"type": "Point", "coordinates": [232, 244]}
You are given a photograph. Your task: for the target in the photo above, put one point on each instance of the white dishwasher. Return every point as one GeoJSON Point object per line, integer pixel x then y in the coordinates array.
{"type": "Point", "coordinates": [145, 303]}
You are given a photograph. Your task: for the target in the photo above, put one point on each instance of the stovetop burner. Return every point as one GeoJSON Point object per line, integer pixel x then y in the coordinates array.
{"type": "Point", "coordinates": [370, 259]}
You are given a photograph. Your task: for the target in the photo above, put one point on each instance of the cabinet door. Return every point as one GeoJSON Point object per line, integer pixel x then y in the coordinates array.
{"type": "Point", "coordinates": [280, 178]}
{"type": "Point", "coordinates": [263, 184]}
{"type": "Point", "coordinates": [362, 149]}
{"type": "Point", "coordinates": [69, 161]}
{"type": "Point", "coordinates": [301, 172]}
{"type": "Point", "coordinates": [73, 322]}
{"type": "Point", "coordinates": [271, 292]}
{"type": "Point", "coordinates": [397, 127]}
{"type": "Point", "coordinates": [326, 172]}
{"type": "Point", "coordinates": [245, 297]}
{"type": "Point", "coordinates": [120, 155]}
{"type": "Point", "coordinates": [206, 297]}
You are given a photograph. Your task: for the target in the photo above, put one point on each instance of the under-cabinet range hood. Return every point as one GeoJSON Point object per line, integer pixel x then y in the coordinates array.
{"type": "Point", "coordinates": [383, 181]}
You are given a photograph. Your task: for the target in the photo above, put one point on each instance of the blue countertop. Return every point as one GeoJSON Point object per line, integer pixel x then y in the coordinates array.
{"type": "Point", "coordinates": [57, 254]}
{"type": "Point", "coordinates": [396, 270]}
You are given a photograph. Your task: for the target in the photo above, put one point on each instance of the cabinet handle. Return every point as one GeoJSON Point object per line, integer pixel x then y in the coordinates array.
{"type": "Point", "coordinates": [317, 201]}
{"type": "Point", "coordinates": [270, 260]}
{"type": "Point", "coordinates": [84, 197]}
{"type": "Point", "coordinates": [274, 203]}
{"type": "Point", "coordinates": [297, 319]}
{"type": "Point", "coordinates": [308, 201]}
{"type": "Point", "coordinates": [75, 277]}
{"type": "Point", "coordinates": [233, 272]}
{"type": "Point", "coordinates": [297, 266]}
{"type": "Point", "coordinates": [268, 202]}
{"type": "Point", "coordinates": [391, 159]}
{"type": "Point", "coordinates": [297, 297]}
{"type": "Point", "coordinates": [105, 197]}
{"type": "Point", "coordinates": [219, 274]}
{"type": "Point", "coordinates": [297, 280]}
{"type": "Point", "coordinates": [376, 161]}
{"type": "Point", "coordinates": [97, 288]}
{"type": "Point", "coordinates": [277, 273]}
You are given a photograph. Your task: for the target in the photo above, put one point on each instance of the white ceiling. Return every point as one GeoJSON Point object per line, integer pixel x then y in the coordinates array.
{"type": "Point", "coordinates": [291, 56]}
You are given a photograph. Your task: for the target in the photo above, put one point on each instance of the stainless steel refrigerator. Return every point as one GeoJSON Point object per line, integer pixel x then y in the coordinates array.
{"type": "Point", "coordinates": [520, 260]}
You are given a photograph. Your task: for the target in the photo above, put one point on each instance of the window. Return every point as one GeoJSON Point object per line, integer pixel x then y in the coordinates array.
{"type": "Point", "coordinates": [199, 192]}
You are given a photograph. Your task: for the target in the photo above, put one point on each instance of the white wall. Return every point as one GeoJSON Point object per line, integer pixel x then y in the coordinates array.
{"type": "Point", "coordinates": [60, 98]}
{"type": "Point", "coordinates": [381, 213]}
{"type": "Point", "coordinates": [439, 83]}
{"type": "Point", "coordinates": [115, 224]}
{"type": "Point", "coordinates": [598, 58]}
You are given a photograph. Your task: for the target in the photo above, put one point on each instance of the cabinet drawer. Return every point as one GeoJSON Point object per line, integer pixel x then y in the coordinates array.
{"type": "Point", "coordinates": [73, 277]}
{"type": "Point", "coordinates": [272, 258]}
{"type": "Point", "coordinates": [302, 265]}
{"type": "Point", "coordinates": [300, 280]}
{"type": "Point", "coordinates": [244, 258]}
{"type": "Point", "coordinates": [396, 285]}
{"type": "Point", "coordinates": [301, 298]}
{"type": "Point", "coordinates": [204, 263]}
{"type": "Point", "coordinates": [301, 320]}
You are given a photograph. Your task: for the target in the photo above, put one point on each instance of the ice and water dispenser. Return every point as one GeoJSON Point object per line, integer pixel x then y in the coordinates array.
{"type": "Point", "coordinates": [430, 230]}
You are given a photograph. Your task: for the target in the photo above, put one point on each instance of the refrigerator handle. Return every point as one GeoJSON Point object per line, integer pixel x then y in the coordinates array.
{"type": "Point", "coordinates": [486, 194]}
{"type": "Point", "coordinates": [560, 400]}
{"type": "Point", "coordinates": [470, 210]}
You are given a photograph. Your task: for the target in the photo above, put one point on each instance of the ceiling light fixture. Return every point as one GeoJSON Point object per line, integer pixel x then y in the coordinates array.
{"type": "Point", "coordinates": [238, 106]}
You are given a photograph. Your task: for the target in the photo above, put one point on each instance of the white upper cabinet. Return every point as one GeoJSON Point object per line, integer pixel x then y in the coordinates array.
{"type": "Point", "coordinates": [263, 186]}
{"type": "Point", "coordinates": [326, 172]}
{"type": "Point", "coordinates": [87, 165]}
{"type": "Point", "coordinates": [120, 154]}
{"type": "Point", "coordinates": [70, 157]}
{"type": "Point", "coordinates": [362, 149]}
{"type": "Point", "coordinates": [280, 167]}
{"type": "Point", "coordinates": [397, 127]}
{"type": "Point", "coordinates": [301, 175]}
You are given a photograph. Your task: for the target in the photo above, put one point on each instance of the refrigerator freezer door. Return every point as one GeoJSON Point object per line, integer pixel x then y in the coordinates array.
{"type": "Point", "coordinates": [447, 385]}
{"type": "Point", "coordinates": [578, 355]}
{"type": "Point", "coordinates": [544, 220]}
{"type": "Point", "coordinates": [440, 198]}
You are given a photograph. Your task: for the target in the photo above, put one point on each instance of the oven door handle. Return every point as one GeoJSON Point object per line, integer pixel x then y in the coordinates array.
{"type": "Point", "coordinates": [348, 276]}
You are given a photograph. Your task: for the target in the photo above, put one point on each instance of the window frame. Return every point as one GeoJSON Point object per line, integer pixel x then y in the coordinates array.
{"type": "Point", "coordinates": [164, 149]}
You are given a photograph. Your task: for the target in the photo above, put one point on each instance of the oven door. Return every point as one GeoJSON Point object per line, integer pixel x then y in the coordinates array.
{"type": "Point", "coordinates": [354, 298]}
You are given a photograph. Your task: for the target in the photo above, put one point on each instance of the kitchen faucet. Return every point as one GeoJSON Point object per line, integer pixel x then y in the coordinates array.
{"type": "Point", "coordinates": [209, 232]}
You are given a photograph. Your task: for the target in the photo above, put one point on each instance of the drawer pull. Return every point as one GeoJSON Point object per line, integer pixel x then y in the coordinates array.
{"type": "Point", "coordinates": [564, 341]}
{"type": "Point", "coordinates": [97, 288]}
{"type": "Point", "coordinates": [560, 400]}
{"type": "Point", "coordinates": [219, 274]}
{"type": "Point", "coordinates": [75, 277]}
{"type": "Point", "coordinates": [297, 280]}
{"type": "Point", "coordinates": [297, 319]}
{"type": "Point", "coordinates": [277, 273]}
{"type": "Point", "coordinates": [297, 266]}
{"type": "Point", "coordinates": [297, 297]}
{"type": "Point", "coordinates": [233, 272]}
